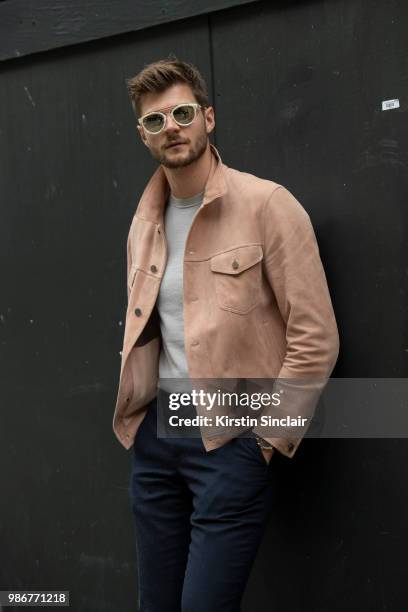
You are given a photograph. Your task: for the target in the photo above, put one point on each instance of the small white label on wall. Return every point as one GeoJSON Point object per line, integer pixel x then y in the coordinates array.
{"type": "Point", "coordinates": [389, 104]}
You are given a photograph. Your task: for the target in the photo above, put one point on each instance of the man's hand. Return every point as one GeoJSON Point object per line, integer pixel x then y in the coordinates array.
{"type": "Point", "coordinates": [264, 447]}
{"type": "Point", "coordinates": [267, 453]}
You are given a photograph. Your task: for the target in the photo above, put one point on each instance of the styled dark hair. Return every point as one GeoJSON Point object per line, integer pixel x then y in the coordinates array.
{"type": "Point", "coordinates": [158, 76]}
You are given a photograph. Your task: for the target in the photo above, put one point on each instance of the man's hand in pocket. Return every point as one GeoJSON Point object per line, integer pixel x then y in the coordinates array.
{"type": "Point", "coordinates": [267, 453]}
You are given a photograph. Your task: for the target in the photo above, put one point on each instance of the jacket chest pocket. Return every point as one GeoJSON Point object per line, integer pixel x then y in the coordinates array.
{"type": "Point", "coordinates": [237, 276]}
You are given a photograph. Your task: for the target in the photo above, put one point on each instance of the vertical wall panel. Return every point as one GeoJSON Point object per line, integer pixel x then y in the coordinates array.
{"type": "Point", "coordinates": [299, 102]}
{"type": "Point", "coordinates": [72, 168]}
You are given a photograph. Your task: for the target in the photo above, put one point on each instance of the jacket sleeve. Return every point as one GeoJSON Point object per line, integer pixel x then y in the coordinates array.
{"type": "Point", "coordinates": [295, 273]}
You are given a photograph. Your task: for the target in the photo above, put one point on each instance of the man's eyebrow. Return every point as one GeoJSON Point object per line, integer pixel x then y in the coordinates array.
{"type": "Point", "coordinates": [158, 110]}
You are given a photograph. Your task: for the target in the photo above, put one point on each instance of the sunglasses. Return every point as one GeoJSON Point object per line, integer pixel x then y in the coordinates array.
{"type": "Point", "coordinates": [183, 114]}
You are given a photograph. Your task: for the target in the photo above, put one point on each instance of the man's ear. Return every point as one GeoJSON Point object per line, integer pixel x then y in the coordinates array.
{"type": "Point", "coordinates": [209, 117]}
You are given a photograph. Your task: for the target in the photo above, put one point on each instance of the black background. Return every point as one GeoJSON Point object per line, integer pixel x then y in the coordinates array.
{"type": "Point", "coordinates": [297, 89]}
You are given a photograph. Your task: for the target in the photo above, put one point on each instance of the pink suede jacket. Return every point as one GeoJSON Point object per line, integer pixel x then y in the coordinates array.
{"type": "Point", "coordinates": [256, 300]}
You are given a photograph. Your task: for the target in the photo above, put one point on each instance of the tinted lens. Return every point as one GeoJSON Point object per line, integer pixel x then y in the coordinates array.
{"type": "Point", "coordinates": [153, 122]}
{"type": "Point", "coordinates": [184, 114]}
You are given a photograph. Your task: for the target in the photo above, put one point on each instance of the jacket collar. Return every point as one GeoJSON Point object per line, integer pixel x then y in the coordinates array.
{"type": "Point", "coordinates": [154, 198]}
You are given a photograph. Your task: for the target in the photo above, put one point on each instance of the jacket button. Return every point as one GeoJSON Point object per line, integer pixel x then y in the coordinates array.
{"type": "Point", "coordinates": [235, 264]}
{"type": "Point", "coordinates": [138, 312]}
{"type": "Point", "coordinates": [153, 268]}
{"type": "Point", "coordinates": [291, 446]}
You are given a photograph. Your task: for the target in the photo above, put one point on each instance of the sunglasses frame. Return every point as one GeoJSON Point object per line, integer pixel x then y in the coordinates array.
{"type": "Point", "coordinates": [195, 105]}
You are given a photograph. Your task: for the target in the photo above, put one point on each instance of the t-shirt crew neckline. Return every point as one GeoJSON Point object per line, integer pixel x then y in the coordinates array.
{"type": "Point", "coordinates": [186, 202]}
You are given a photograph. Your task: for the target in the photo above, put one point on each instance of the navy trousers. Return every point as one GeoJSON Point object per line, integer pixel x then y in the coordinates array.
{"type": "Point", "coordinates": [199, 519]}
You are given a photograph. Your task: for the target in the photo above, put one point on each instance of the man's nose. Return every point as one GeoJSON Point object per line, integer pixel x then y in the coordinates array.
{"type": "Point", "coordinates": [171, 125]}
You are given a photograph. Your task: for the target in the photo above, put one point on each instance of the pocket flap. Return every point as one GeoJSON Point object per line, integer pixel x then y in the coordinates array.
{"type": "Point", "coordinates": [237, 260]}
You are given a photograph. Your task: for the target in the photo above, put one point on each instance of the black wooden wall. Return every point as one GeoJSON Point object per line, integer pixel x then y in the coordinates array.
{"type": "Point", "coordinates": [297, 88]}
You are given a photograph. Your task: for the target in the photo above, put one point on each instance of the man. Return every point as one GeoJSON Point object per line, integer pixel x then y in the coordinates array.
{"type": "Point", "coordinates": [224, 282]}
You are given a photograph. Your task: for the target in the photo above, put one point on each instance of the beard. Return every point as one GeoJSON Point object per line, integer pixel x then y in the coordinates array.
{"type": "Point", "coordinates": [169, 160]}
